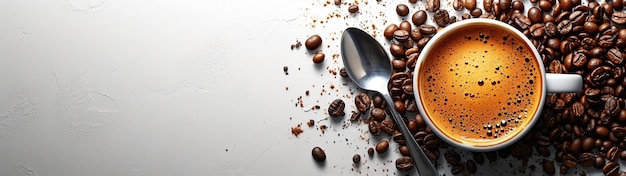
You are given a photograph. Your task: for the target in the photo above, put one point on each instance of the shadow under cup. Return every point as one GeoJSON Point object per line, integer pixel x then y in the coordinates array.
{"type": "Point", "coordinates": [480, 84]}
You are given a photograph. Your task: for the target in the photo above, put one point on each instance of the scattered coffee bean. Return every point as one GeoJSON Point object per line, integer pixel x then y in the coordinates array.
{"type": "Point", "coordinates": [452, 157]}
{"type": "Point", "coordinates": [612, 153]}
{"type": "Point", "coordinates": [335, 109]}
{"type": "Point", "coordinates": [470, 5]}
{"type": "Point", "coordinates": [419, 17]}
{"type": "Point", "coordinates": [404, 150]}
{"type": "Point", "coordinates": [313, 42]}
{"type": "Point", "coordinates": [356, 158]}
{"type": "Point", "coordinates": [370, 152]}
{"type": "Point", "coordinates": [382, 146]}
{"type": "Point", "coordinates": [470, 166]}
{"type": "Point", "coordinates": [587, 159]}
{"type": "Point", "coordinates": [402, 10]}
{"type": "Point", "coordinates": [442, 18]}
{"type": "Point", "coordinates": [337, 2]}
{"type": "Point", "coordinates": [353, 8]}
{"type": "Point", "coordinates": [318, 57]}
{"type": "Point", "coordinates": [457, 5]}
{"type": "Point", "coordinates": [318, 154]}
{"type": "Point", "coordinates": [374, 127]}
{"type": "Point", "coordinates": [404, 163]}
{"type": "Point", "coordinates": [548, 167]}
{"type": "Point", "coordinates": [432, 5]}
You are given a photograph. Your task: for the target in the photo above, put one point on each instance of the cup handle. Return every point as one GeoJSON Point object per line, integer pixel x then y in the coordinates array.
{"type": "Point", "coordinates": [561, 83]}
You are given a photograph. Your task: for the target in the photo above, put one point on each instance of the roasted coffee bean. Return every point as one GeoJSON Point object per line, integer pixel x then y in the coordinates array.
{"type": "Point", "coordinates": [569, 160]}
{"type": "Point", "coordinates": [313, 42]}
{"type": "Point", "coordinates": [356, 158]}
{"type": "Point", "coordinates": [622, 155]}
{"type": "Point", "coordinates": [590, 27]}
{"type": "Point", "coordinates": [374, 127]}
{"type": "Point", "coordinates": [433, 155]}
{"type": "Point", "coordinates": [566, 4]}
{"type": "Point", "coordinates": [343, 72]}
{"type": "Point", "coordinates": [335, 109]}
{"type": "Point", "coordinates": [618, 131]}
{"type": "Point", "coordinates": [419, 120]}
{"type": "Point", "coordinates": [587, 159]}
{"type": "Point", "coordinates": [407, 86]}
{"type": "Point", "coordinates": [362, 102]}
{"type": "Point", "coordinates": [615, 56]}
{"type": "Point", "coordinates": [492, 156]}
{"type": "Point", "coordinates": [521, 21]}
{"type": "Point", "coordinates": [517, 5]}
{"type": "Point", "coordinates": [535, 15]}
{"type": "Point", "coordinates": [548, 166]}
{"type": "Point", "coordinates": [431, 141]}
{"type": "Point", "coordinates": [387, 126]}
{"type": "Point", "coordinates": [318, 154]}
{"type": "Point", "coordinates": [378, 101]}
{"type": "Point", "coordinates": [401, 35]}
{"type": "Point", "coordinates": [427, 29]}
{"type": "Point", "coordinates": [398, 64]}
{"type": "Point", "coordinates": [415, 35]}
{"type": "Point", "coordinates": [432, 5]}
{"type": "Point", "coordinates": [457, 5]}
{"type": "Point", "coordinates": [606, 41]}
{"type": "Point", "coordinates": [353, 8]}
{"type": "Point", "coordinates": [370, 152]}
{"type": "Point", "coordinates": [422, 42]}
{"type": "Point", "coordinates": [599, 162]}
{"type": "Point", "coordinates": [389, 31]}
{"type": "Point", "coordinates": [318, 57]}
{"type": "Point", "coordinates": [470, 5]}
{"type": "Point", "coordinates": [556, 67]}
{"type": "Point", "coordinates": [404, 163]}
{"type": "Point", "coordinates": [337, 2]}
{"type": "Point", "coordinates": [578, 109]}
{"type": "Point", "coordinates": [612, 153]}
{"type": "Point", "coordinates": [378, 114]}
{"type": "Point", "coordinates": [487, 5]}
{"type": "Point", "coordinates": [545, 5]}
{"type": "Point", "coordinates": [402, 10]}
{"type": "Point", "coordinates": [611, 169]}
{"type": "Point", "coordinates": [579, 59]}
{"type": "Point", "coordinates": [576, 146]}
{"type": "Point", "coordinates": [476, 13]}
{"type": "Point", "coordinates": [504, 5]}
{"type": "Point", "coordinates": [608, 9]}
{"type": "Point", "coordinates": [470, 166]}
{"type": "Point", "coordinates": [382, 146]}
{"type": "Point", "coordinates": [551, 30]}
{"type": "Point", "coordinates": [542, 151]}
{"type": "Point", "coordinates": [564, 27]}
{"type": "Point", "coordinates": [456, 169]}
{"type": "Point", "coordinates": [602, 131]}
{"type": "Point", "coordinates": [452, 157]}
{"type": "Point", "coordinates": [563, 169]}
{"type": "Point", "coordinates": [577, 18]}
{"type": "Point", "coordinates": [419, 17]}
{"type": "Point", "coordinates": [442, 18]}
{"type": "Point", "coordinates": [537, 30]}
{"type": "Point", "coordinates": [404, 25]}
{"type": "Point", "coordinates": [612, 106]}
{"type": "Point", "coordinates": [478, 157]}
{"type": "Point", "coordinates": [397, 50]}
{"type": "Point", "coordinates": [404, 150]}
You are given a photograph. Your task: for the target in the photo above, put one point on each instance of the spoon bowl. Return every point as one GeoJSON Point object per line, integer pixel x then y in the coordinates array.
{"type": "Point", "coordinates": [368, 65]}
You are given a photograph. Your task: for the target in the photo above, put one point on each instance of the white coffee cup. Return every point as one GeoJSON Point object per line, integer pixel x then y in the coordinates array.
{"type": "Point", "coordinates": [551, 83]}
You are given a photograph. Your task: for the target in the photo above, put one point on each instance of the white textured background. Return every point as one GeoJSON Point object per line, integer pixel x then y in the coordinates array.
{"type": "Point", "coordinates": [179, 87]}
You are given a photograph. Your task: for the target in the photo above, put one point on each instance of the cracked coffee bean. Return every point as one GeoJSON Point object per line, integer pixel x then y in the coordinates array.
{"type": "Point", "coordinates": [362, 102]}
{"type": "Point", "coordinates": [404, 163]}
{"type": "Point", "coordinates": [335, 109]}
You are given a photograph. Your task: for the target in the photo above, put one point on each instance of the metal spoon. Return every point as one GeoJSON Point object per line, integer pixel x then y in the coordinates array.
{"type": "Point", "coordinates": [368, 65]}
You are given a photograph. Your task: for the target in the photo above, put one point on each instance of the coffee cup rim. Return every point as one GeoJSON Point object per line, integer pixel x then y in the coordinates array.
{"type": "Point", "coordinates": [458, 26]}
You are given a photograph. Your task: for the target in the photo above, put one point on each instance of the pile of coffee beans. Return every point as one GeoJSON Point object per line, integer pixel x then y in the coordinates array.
{"type": "Point", "coordinates": [584, 129]}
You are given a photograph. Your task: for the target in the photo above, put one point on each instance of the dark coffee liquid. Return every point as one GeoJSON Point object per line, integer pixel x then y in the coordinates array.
{"type": "Point", "coordinates": [480, 85]}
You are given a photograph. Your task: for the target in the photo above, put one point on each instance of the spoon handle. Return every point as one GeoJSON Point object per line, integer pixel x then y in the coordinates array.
{"type": "Point", "coordinates": [421, 162]}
